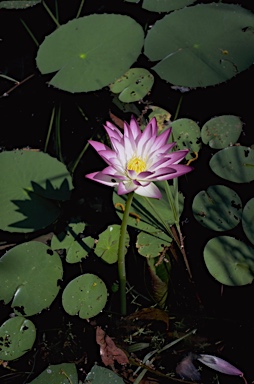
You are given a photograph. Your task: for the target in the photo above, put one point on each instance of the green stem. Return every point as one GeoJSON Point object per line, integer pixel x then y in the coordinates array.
{"type": "Point", "coordinates": [178, 108]}
{"type": "Point", "coordinates": [171, 201]}
{"type": "Point", "coordinates": [80, 8]}
{"type": "Point", "coordinates": [49, 130]}
{"type": "Point", "coordinates": [121, 254]}
{"type": "Point", "coordinates": [51, 14]}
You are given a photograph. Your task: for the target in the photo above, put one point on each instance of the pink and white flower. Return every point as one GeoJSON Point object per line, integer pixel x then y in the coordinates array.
{"type": "Point", "coordinates": [136, 159]}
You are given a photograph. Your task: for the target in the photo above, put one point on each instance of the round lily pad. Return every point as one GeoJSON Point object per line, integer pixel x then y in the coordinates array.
{"type": "Point", "coordinates": [31, 183]}
{"type": "Point", "coordinates": [234, 164]}
{"type": "Point", "coordinates": [134, 85]}
{"type": "Point", "coordinates": [229, 261]}
{"type": "Point", "coordinates": [186, 133]}
{"type": "Point", "coordinates": [90, 52]}
{"type": "Point", "coordinates": [248, 220]}
{"type": "Point", "coordinates": [17, 336]}
{"type": "Point", "coordinates": [65, 373]}
{"type": "Point", "coordinates": [29, 276]}
{"type": "Point", "coordinates": [221, 131]}
{"type": "Point", "coordinates": [86, 296]}
{"type": "Point", "coordinates": [18, 4]}
{"type": "Point", "coordinates": [219, 208]}
{"type": "Point", "coordinates": [165, 5]}
{"type": "Point", "coordinates": [192, 49]}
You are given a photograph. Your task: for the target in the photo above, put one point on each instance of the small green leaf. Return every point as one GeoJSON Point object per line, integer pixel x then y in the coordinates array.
{"type": "Point", "coordinates": [162, 117]}
{"type": "Point", "coordinates": [229, 261]}
{"type": "Point", "coordinates": [17, 336]}
{"type": "Point", "coordinates": [222, 131]}
{"type": "Point", "coordinates": [18, 4]}
{"type": "Point", "coordinates": [86, 296]}
{"type": "Point", "coordinates": [248, 220]}
{"type": "Point", "coordinates": [31, 184]}
{"type": "Point", "coordinates": [134, 85]}
{"type": "Point", "coordinates": [99, 375]}
{"type": "Point", "coordinates": [108, 244]}
{"type": "Point", "coordinates": [234, 164]}
{"type": "Point", "coordinates": [186, 133]}
{"type": "Point", "coordinates": [29, 275]}
{"type": "Point", "coordinates": [86, 61]}
{"type": "Point", "coordinates": [219, 208]}
{"type": "Point", "coordinates": [149, 245]}
{"type": "Point", "coordinates": [70, 240]}
{"type": "Point", "coordinates": [65, 373]}
{"type": "Point", "coordinates": [165, 5]}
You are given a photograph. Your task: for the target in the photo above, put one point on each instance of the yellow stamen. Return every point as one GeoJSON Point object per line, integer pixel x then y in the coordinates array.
{"type": "Point", "coordinates": [136, 164]}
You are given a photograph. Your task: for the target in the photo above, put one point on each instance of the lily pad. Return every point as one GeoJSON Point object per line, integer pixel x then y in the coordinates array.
{"type": "Point", "coordinates": [221, 131]}
{"type": "Point", "coordinates": [186, 133]}
{"type": "Point", "coordinates": [76, 247]}
{"type": "Point", "coordinates": [234, 164]}
{"type": "Point", "coordinates": [29, 276]}
{"type": "Point", "coordinates": [65, 373]}
{"type": "Point", "coordinates": [150, 246]}
{"type": "Point", "coordinates": [219, 208]}
{"type": "Point", "coordinates": [18, 4]}
{"type": "Point", "coordinates": [162, 117]}
{"type": "Point", "coordinates": [134, 85]}
{"type": "Point", "coordinates": [230, 261]}
{"type": "Point", "coordinates": [86, 296]}
{"type": "Point", "coordinates": [86, 61]}
{"type": "Point", "coordinates": [99, 375]}
{"type": "Point", "coordinates": [108, 244]}
{"type": "Point", "coordinates": [165, 5]}
{"type": "Point", "coordinates": [17, 336]}
{"type": "Point", "coordinates": [31, 184]}
{"type": "Point", "coordinates": [192, 48]}
{"type": "Point", "coordinates": [248, 220]}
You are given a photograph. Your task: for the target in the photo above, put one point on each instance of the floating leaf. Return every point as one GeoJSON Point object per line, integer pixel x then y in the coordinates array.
{"type": "Point", "coordinates": [234, 164]}
{"type": "Point", "coordinates": [17, 336]}
{"type": "Point", "coordinates": [86, 296]}
{"type": "Point", "coordinates": [18, 4]}
{"type": "Point", "coordinates": [248, 220]}
{"type": "Point", "coordinates": [221, 131]}
{"type": "Point", "coordinates": [150, 246]}
{"type": "Point", "coordinates": [191, 54]}
{"type": "Point", "coordinates": [108, 244]}
{"type": "Point", "coordinates": [86, 61]}
{"type": "Point", "coordinates": [76, 247]}
{"type": "Point", "coordinates": [99, 375]}
{"type": "Point", "coordinates": [229, 261]}
{"type": "Point", "coordinates": [165, 5]}
{"type": "Point", "coordinates": [186, 133]}
{"type": "Point", "coordinates": [134, 85]}
{"type": "Point", "coordinates": [219, 208]}
{"type": "Point", "coordinates": [29, 274]}
{"type": "Point", "coordinates": [65, 373]}
{"type": "Point", "coordinates": [162, 117]}
{"type": "Point", "coordinates": [31, 183]}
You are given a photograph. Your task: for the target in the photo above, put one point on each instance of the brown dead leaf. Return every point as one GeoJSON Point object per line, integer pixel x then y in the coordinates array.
{"type": "Point", "coordinates": [108, 350]}
{"type": "Point", "coordinates": [150, 314]}
{"type": "Point", "coordinates": [116, 120]}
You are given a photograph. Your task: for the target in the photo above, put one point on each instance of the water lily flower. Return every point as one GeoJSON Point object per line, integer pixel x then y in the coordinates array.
{"type": "Point", "coordinates": [136, 159]}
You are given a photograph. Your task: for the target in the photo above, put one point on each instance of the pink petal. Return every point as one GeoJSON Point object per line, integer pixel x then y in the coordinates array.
{"type": "Point", "coordinates": [101, 178]}
{"type": "Point", "coordinates": [126, 187]}
{"type": "Point", "coordinates": [99, 146]}
{"type": "Point", "coordinates": [219, 365]}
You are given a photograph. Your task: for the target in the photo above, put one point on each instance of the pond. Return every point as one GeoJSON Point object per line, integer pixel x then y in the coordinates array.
{"type": "Point", "coordinates": [95, 290]}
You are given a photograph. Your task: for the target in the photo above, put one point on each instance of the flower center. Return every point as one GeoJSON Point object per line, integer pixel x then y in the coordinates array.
{"type": "Point", "coordinates": [136, 164]}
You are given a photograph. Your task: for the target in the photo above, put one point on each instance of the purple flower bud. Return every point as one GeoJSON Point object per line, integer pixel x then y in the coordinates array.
{"type": "Point", "coordinates": [219, 365]}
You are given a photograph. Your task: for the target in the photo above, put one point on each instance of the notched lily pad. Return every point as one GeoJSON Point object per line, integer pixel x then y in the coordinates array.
{"type": "Point", "coordinates": [219, 208]}
{"type": "Point", "coordinates": [149, 245]}
{"type": "Point", "coordinates": [134, 85]}
{"type": "Point", "coordinates": [86, 295]}
{"type": "Point", "coordinates": [221, 131]}
{"type": "Point", "coordinates": [86, 61]}
{"type": "Point", "coordinates": [191, 54]}
{"type": "Point", "coordinates": [248, 220]}
{"type": "Point", "coordinates": [32, 185]}
{"type": "Point", "coordinates": [108, 244]}
{"type": "Point", "coordinates": [230, 261]}
{"type": "Point", "coordinates": [29, 275]}
{"type": "Point", "coordinates": [186, 133]}
{"type": "Point", "coordinates": [65, 373]}
{"type": "Point", "coordinates": [17, 336]}
{"type": "Point", "coordinates": [234, 164]}
{"type": "Point", "coordinates": [76, 247]}
{"type": "Point", "coordinates": [102, 375]}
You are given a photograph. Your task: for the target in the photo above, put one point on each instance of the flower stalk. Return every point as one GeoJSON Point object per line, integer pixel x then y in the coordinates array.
{"type": "Point", "coordinates": [121, 255]}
